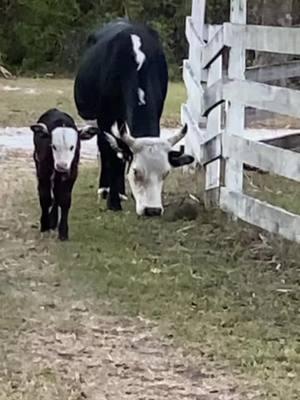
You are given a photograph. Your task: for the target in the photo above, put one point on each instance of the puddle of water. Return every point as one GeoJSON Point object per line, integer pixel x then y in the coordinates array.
{"type": "Point", "coordinates": [21, 139]}
{"type": "Point", "coordinates": [8, 88]}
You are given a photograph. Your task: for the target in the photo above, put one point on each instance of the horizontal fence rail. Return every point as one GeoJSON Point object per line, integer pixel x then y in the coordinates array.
{"type": "Point", "coordinates": [217, 97]}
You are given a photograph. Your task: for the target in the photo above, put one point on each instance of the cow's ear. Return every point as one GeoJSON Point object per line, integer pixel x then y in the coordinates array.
{"type": "Point", "coordinates": [41, 130]}
{"type": "Point", "coordinates": [88, 132]}
{"type": "Point", "coordinates": [178, 159]}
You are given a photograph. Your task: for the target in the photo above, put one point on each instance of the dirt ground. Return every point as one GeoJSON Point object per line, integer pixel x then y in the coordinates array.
{"type": "Point", "coordinates": [54, 344]}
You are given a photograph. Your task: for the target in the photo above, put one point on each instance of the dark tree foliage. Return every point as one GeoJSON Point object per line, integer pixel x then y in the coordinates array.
{"type": "Point", "coordinates": [48, 35]}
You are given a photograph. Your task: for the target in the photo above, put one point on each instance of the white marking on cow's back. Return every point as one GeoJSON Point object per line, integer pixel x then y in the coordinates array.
{"type": "Point", "coordinates": [140, 57]}
{"type": "Point", "coordinates": [142, 97]}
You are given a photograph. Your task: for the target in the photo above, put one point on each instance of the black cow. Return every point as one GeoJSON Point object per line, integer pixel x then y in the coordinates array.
{"type": "Point", "coordinates": [121, 86]}
{"type": "Point", "coordinates": [56, 156]}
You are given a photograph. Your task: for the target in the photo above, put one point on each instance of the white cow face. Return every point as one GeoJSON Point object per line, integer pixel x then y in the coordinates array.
{"type": "Point", "coordinates": [152, 161]}
{"type": "Point", "coordinates": [64, 143]}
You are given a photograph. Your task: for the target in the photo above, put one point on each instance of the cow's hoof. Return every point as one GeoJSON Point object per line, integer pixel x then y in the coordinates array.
{"type": "Point", "coordinates": [123, 197]}
{"type": "Point", "coordinates": [103, 193]}
{"type": "Point", "coordinates": [63, 237]}
{"type": "Point", "coordinates": [114, 208]}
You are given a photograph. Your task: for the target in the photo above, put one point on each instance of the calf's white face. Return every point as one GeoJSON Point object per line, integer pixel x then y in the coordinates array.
{"type": "Point", "coordinates": [152, 161]}
{"type": "Point", "coordinates": [64, 142]}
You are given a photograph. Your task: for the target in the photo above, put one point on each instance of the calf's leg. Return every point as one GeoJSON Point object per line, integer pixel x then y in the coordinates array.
{"type": "Point", "coordinates": [63, 197]}
{"type": "Point", "coordinates": [44, 189]}
{"type": "Point", "coordinates": [53, 216]}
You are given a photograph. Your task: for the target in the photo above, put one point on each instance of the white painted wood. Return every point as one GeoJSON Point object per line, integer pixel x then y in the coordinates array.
{"type": "Point", "coordinates": [282, 162]}
{"type": "Point", "coordinates": [214, 75]}
{"type": "Point", "coordinates": [214, 120]}
{"type": "Point", "coordinates": [213, 175]}
{"type": "Point", "coordinates": [259, 213]}
{"type": "Point", "coordinates": [269, 73]}
{"type": "Point", "coordinates": [213, 96]}
{"type": "Point", "coordinates": [194, 137]}
{"type": "Point", "coordinates": [263, 38]}
{"type": "Point", "coordinates": [214, 47]}
{"type": "Point", "coordinates": [198, 15]}
{"type": "Point", "coordinates": [205, 30]}
{"type": "Point", "coordinates": [262, 96]}
{"type": "Point", "coordinates": [235, 115]}
{"type": "Point", "coordinates": [195, 49]}
{"type": "Point", "coordinates": [211, 149]}
{"type": "Point", "coordinates": [194, 90]}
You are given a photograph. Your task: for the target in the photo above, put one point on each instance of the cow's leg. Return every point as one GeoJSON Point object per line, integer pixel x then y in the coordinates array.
{"type": "Point", "coordinates": [104, 167]}
{"type": "Point", "coordinates": [44, 189]}
{"type": "Point", "coordinates": [54, 216]}
{"type": "Point", "coordinates": [122, 190]}
{"type": "Point", "coordinates": [116, 173]}
{"type": "Point", "coordinates": [63, 197]}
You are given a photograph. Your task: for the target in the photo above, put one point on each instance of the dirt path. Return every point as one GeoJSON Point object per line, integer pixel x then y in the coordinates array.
{"type": "Point", "coordinates": [56, 345]}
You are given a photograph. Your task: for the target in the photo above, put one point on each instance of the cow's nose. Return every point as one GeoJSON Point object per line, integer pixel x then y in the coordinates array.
{"type": "Point", "coordinates": [153, 211]}
{"type": "Point", "coordinates": [62, 166]}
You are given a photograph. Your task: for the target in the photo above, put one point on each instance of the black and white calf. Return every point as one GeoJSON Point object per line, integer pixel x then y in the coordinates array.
{"type": "Point", "coordinates": [56, 155]}
{"type": "Point", "coordinates": [122, 80]}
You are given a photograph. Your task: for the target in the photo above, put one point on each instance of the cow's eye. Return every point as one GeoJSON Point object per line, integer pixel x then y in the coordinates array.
{"type": "Point", "coordinates": [71, 148]}
{"type": "Point", "coordinates": [54, 147]}
{"type": "Point", "coordinates": [138, 176]}
{"type": "Point", "coordinates": [165, 175]}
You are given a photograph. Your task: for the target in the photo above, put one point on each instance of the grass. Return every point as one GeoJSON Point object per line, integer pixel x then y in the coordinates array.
{"type": "Point", "coordinates": [22, 107]}
{"type": "Point", "coordinates": [226, 290]}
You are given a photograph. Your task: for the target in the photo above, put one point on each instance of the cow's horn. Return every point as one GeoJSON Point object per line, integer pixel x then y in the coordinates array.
{"type": "Point", "coordinates": [178, 136]}
{"type": "Point", "coordinates": [129, 140]}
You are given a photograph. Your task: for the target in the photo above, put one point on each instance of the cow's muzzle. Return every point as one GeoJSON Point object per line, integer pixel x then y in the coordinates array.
{"type": "Point", "coordinates": [153, 211]}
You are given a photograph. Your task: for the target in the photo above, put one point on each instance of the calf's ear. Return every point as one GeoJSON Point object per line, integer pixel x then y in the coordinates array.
{"type": "Point", "coordinates": [178, 159]}
{"type": "Point", "coordinates": [41, 130]}
{"type": "Point", "coordinates": [88, 132]}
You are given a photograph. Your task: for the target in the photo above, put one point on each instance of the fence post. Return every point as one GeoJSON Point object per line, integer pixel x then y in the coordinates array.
{"type": "Point", "coordinates": [235, 113]}
{"type": "Point", "coordinates": [192, 71]}
{"type": "Point", "coordinates": [213, 170]}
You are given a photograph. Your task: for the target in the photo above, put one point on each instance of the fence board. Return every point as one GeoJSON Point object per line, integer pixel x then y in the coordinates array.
{"type": "Point", "coordinates": [195, 49]}
{"type": "Point", "coordinates": [198, 15]}
{"type": "Point", "coordinates": [262, 96]}
{"type": "Point", "coordinates": [213, 175]}
{"type": "Point", "coordinates": [259, 213]}
{"type": "Point", "coordinates": [282, 162]}
{"type": "Point", "coordinates": [269, 73]}
{"type": "Point", "coordinates": [211, 149]}
{"type": "Point", "coordinates": [213, 48]}
{"type": "Point", "coordinates": [194, 89]}
{"type": "Point", "coordinates": [263, 38]}
{"type": "Point", "coordinates": [194, 137]}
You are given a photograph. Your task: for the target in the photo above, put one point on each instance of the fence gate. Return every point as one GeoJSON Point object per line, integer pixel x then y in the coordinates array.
{"type": "Point", "coordinates": [215, 111]}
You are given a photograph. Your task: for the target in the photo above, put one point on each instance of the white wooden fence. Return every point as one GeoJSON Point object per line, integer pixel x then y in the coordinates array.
{"type": "Point", "coordinates": [215, 112]}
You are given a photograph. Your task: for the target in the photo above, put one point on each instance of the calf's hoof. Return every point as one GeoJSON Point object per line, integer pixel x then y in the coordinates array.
{"type": "Point", "coordinates": [44, 228]}
{"type": "Point", "coordinates": [63, 237]}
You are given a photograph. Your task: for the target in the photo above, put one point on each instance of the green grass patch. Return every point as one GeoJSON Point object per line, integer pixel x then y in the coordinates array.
{"type": "Point", "coordinates": [227, 290]}
{"type": "Point", "coordinates": [34, 96]}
